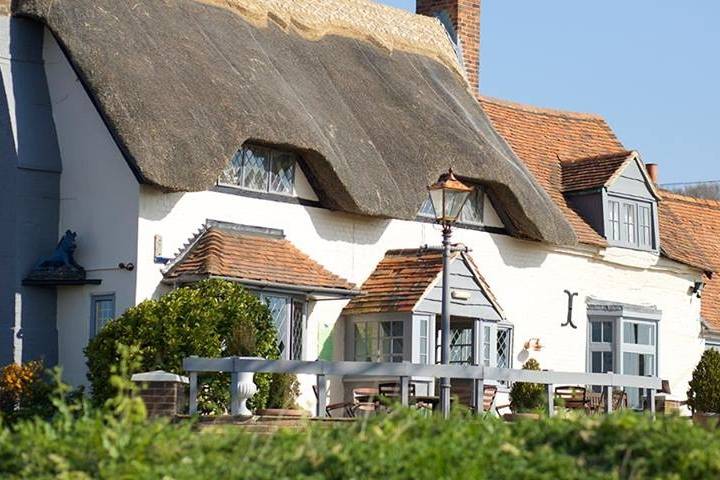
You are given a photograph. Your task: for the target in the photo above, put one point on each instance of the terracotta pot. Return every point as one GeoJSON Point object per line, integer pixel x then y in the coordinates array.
{"type": "Point", "coordinates": [282, 412]}
{"type": "Point", "coordinates": [517, 417]}
{"type": "Point", "coordinates": [706, 420]}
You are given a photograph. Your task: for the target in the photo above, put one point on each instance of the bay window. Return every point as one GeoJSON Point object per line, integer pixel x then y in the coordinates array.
{"type": "Point", "coordinates": [631, 223]}
{"type": "Point", "coordinates": [624, 342]}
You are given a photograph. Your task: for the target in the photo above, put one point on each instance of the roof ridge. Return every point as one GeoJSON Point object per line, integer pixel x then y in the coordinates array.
{"type": "Point", "coordinates": [604, 156]}
{"type": "Point", "coordinates": [541, 110]}
{"type": "Point", "coordinates": [680, 197]}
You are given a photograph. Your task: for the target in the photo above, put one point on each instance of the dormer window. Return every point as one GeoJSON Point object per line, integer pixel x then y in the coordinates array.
{"type": "Point", "coordinates": [615, 195]}
{"type": "Point", "coordinates": [261, 169]}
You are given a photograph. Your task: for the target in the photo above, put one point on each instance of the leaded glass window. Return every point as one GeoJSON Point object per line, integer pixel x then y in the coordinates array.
{"type": "Point", "coordinates": [256, 162]}
{"type": "Point", "coordinates": [296, 330]}
{"type": "Point", "coordinates": [262, 169]}
{"type": "Point", "coordinates": [461, 351]}
{"type": "Point", "coordinates": [472, 212]}
{"type": "Point", "coordinates": [278, 307]}
{"type": "Point", "coordinates": [504, 347]}
{"type": "Point", "coordinates": [288, 315]}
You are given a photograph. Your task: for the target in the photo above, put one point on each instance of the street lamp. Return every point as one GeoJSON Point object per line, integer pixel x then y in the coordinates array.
{"type": "Point", "coordinates": [448, 196]}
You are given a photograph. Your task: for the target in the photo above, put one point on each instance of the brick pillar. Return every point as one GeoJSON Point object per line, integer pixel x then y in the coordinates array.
{"type": "Point", "coordinates": [165, 394]}
{"type": "Point", "coordinates": [462, 20]}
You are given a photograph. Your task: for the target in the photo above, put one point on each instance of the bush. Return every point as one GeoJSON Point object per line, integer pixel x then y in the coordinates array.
{"type": "Point", "coordinates": [402, 445]}
{"type": "Point", "coordinates": [212, 318]}
{"type": "Point", "coordinates": [24, 391]}
{"type": "Point", "coordinates": [527, 397]}
{"type": "Point", "coordinates": [284, 391]}
{"type": "Point", "coordinates": [704, 393]}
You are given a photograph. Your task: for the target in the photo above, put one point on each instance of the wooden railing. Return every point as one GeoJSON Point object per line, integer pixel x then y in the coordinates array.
{"type": "Point", "coordinates": [405, 371]}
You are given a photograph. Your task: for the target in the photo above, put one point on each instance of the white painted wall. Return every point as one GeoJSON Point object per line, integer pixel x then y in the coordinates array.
{"type": "Point", "coordinates": [98, 200]}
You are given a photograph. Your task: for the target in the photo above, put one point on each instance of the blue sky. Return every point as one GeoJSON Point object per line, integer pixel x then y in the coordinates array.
{"type": "Point", "coordinates": [650, 67]}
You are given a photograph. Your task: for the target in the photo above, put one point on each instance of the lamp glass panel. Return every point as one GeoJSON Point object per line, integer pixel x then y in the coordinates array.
{"type": "Point", "coordinates": [437, 200]}
{"type": "Point", "coordinates": [454, 201]}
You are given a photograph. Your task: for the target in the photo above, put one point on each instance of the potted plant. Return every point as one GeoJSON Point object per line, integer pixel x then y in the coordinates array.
{"type": "Point", "coordinates": [704, 392]}
{"type": "Point", "coordinates": [282, 399]}
{"type": "Point", "coordinates": [526, 399]}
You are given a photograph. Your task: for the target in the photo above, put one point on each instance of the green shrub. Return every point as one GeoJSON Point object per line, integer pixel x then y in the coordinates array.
{"type": "Point", "coordinates": [284, 391]}
{"type": "Point", "coordinates": [527, 397]}
{"type": "Point", "coordinates": [117, 443]}
{"type": "Point", "coordinates": [704, 393]}
{"type": "Point", "coordinates": [205, 319]}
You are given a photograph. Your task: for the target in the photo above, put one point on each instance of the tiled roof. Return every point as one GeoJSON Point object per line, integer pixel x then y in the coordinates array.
{"type": "Point", "coordinates": [691, 234]}
{"type": "Point", "coordinates": [222, 251]}
{"type": "Point", "coordinates": [592, 172]}
{"type": "Point", "coordinates": [544, 139]}
{"type": "Point", "coordinates": [403, 277]}
{"type": "Point", "coordinates": [398, 283]}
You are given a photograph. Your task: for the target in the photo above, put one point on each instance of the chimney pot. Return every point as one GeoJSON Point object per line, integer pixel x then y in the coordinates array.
{"type": "Point", "coordinates": [653, 172]}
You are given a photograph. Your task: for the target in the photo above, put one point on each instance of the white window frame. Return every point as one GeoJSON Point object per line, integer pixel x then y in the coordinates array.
{"type": "Point", "coordinates": [629, 229]}
{"type": "Point", "coordinates": [94, 300]}
{"type": "Point", "coordinates": [618, 346]}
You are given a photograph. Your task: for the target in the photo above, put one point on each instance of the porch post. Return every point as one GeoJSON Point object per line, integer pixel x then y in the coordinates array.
{"type": "Point", "coordinates": [608, 398]}
{"type": "Point", "coordinates": [322, 395]}
{"type": "Point", "coordinates": [478, 384]}
{"type": "Point", "coordinates": [445, 322]}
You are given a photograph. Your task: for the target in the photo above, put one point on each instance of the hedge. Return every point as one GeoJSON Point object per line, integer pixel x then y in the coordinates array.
{"type": "Point", "coordinates": [403, 445]}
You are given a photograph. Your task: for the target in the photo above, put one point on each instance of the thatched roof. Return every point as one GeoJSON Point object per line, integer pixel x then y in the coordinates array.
{"type": "Point", "coordinates": [376, 110]}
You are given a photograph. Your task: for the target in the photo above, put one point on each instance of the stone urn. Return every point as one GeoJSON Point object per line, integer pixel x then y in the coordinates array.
{"type": "Point", "coordinates": [242, 383]}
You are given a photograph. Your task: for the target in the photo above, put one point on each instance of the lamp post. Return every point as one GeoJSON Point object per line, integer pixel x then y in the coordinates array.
{"type": "Point", "coordinates": [448, 196]}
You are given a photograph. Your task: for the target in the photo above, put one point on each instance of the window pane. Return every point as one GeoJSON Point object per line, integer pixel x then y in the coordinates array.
{"type": "Point", "coordinates": [386, 346]}
{"type": "Point", "coordinates": [233, 171]}
{"type": "Point", "coordinates": [639, 333]}
{"type": "Point", "coordinates": [607, 362]}
{"type": "Point", "coordinates": [645, 227]}
{"type": "Point", "coordinates": [596, 332]}
{"type": "Point", "coordinates": [397, 346]}
{"type": "Point", "coordinates": [629, 222]}
{"type": "Point", "coordinates": [472, 212]}
{"type": "Point", "coordinates": [386, 329]}
{"type": "Point", "coordinates": [596, 362]}
{"type": "Point", "coordinates": [614, 233]}
{"type": "Point", "coordinates": [397, 329]}
{"type": "Point", "coordinates": [607, 332]}
{"type": "Point", "coordinates": [103, 311]}
{"type": "Point", "coordinates": [296, 333]}
{"type": "Point", "coordinates": [504, 349]}
{"type": "Point", "coordinates": [255, 168]}
{"type": "Point", "coordinates": [278, 307]}
{"type": "Point", "coordinates": [282, 173]}
{"type": "Point", "coordinates": [361, 350]}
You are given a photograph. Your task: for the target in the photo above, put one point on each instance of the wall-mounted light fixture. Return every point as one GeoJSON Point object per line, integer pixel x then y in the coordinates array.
{"type": "Point", "coordinates": [534, 344]}
{"type": "Point", "coordinates": [697, 289]}
{"type": "Point", "coordinates": [126, 266]}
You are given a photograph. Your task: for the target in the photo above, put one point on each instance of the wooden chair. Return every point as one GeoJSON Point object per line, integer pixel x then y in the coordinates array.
{"type": "Point", "coordinates": [392, 390]}
{"type": "Point", "coordinates": [619, 400]}
{"type": "Point", "coordinates": [346, 407]}
{"type": "Point", "coordinates": [365, 400]}
{"type": "Point", "coordinates": [489, 394]}
{"type": "Point", "coordinates": [573, 397]}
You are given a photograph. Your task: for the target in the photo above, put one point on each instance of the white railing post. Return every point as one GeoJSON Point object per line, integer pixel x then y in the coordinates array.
{"type": "Point", "coordinates": [322, 394]}
{"type": "Point", "coordinates": [478, 395]}
{"type": "Point", "coordinates": [651, 401]}
{"type": "Point", "coordinates": [234, 397]}
{"type": "Point", "coordinates": [193, 393]}
{"type": "Point", "coordinates": [609, 399]}
{"type": "Point", "coordinates": [551, 399]}
{"type": "Point", "coordinates": [405, 391]}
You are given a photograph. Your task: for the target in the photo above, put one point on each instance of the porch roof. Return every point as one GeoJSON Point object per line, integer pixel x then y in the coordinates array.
{"type": "Point", "coordinates": [252, 256]}
{"type": "Point", "coordinates": [404, 277]}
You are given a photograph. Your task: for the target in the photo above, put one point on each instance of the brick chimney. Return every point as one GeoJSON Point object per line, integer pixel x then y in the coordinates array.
{"type": "Point", "coordinates": [462, 21]}
{"type": "Point", "coordinates": [653, 172]}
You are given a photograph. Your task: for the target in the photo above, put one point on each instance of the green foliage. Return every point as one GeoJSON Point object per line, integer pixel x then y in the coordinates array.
{"type": "Point", "coordinates": [704, 392]}
{"type": "Point", "coordinates": [403, 445]}
{"type": "Point", "coordinates": [284, 391]}
{"type": "Point", "coordinates": [527, 397]}
{"type": "Point", "coordinates": [25, 391]}
{"type": "Point", "coordinates": [204, 320]}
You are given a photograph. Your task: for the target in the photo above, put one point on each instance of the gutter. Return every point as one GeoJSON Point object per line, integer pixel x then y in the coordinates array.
{"type": "Point", "coordinates": [308, 289]}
